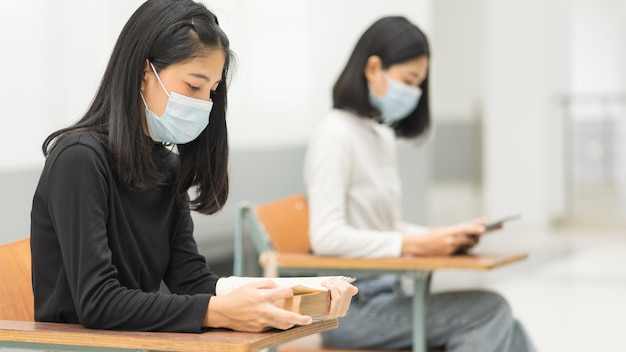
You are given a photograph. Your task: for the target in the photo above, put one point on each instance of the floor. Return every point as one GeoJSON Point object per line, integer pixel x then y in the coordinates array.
{"type": "Point", "coordinates": [570, 293]}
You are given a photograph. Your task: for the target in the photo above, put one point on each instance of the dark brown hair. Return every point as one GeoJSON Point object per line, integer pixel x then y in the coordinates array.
{"type": "Point", "coordinates": [165, 32]}
{"type": "Point", "coordinates": [395, 40]}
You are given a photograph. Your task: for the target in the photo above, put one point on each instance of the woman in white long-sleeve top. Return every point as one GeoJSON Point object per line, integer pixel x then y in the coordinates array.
{"type": "Point", "coordinates": [354, 194]}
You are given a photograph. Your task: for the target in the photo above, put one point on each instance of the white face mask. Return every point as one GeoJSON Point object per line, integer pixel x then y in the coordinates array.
{"type": "Point", "coordinates": [183, 120]}
{"type": "Point", "coordinates": [398, 102]}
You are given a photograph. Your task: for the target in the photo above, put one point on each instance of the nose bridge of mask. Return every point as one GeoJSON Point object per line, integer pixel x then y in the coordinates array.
{"type": "Point", "coordinates": [399, 85]}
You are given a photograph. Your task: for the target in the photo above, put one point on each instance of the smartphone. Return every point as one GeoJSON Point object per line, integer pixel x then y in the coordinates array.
{"type": "Point", "coordinates": [490, 226]}
{"type": "Point", "coordinates": [495, 225]}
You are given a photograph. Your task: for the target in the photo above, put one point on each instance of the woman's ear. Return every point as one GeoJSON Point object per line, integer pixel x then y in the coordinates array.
{"type": "Point", "coordinates": [146, 75]}
{"type": "Point", "coordinates": [373, 69]}
{"type": "Point", "coordinates": [375, 76]}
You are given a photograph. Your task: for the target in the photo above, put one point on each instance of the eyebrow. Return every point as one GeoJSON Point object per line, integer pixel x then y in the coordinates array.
{"type": "Point", "coordinates": [203, 77]}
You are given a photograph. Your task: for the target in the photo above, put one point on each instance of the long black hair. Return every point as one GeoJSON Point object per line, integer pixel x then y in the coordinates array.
{"type": "Point", "coordinates": [395, 40]}
{"type": "Point", "coordinates": [165, 32]}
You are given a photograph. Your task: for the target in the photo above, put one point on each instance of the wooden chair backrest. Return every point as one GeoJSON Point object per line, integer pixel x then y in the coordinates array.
{"type": "Point", "coordinates": [16, 290]}
{"type": "Point", "coordinates": [286, 222]}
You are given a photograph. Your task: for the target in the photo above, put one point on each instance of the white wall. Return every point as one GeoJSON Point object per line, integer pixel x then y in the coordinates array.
{"type": "Point", "coordinates": [457, 66]}
{"type": "Point", "coordinates": [621, 144]}
{"type": "Point", "coordinates": [506, 62]}
{"type": "Point", "coordinates": [289, 53]}
{"type": "Point", "coordinates": [528, 65]}
{"type": "Point", "coordinates": [596, 60]}
{"type": "Point", "coordinates": [512, 58]}
{"type": "Point", "coordinates": [53, 54]}
{"type": "Point", "coordinates": [515, 60]}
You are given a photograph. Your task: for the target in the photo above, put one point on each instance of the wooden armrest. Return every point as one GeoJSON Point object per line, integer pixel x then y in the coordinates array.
{"type": "Point", "coordinates": [31, 334]}
{"type": "Point", "coordinates": [482, 261]}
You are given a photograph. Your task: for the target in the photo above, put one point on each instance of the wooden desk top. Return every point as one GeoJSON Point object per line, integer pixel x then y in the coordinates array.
{"type": "Point", "coordinates": [218, 340]}
{"type": "Point", "coordinates": [478, 261]}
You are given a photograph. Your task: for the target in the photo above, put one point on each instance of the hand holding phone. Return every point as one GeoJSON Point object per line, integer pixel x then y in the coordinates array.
{"type": "Point", "coordinates": [490, 226]}
{"type": "Point", "coordinates": [495, 225]}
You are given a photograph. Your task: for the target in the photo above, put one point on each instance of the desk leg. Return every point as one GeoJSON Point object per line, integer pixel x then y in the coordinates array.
{"type": "Point", "coordinates": [238, 255]}
{"type": "Point", "coordinates": [420, 305]}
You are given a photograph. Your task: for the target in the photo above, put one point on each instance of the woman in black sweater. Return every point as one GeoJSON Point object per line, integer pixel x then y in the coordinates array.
{"type": "Point", "coordinates": [110, 218]}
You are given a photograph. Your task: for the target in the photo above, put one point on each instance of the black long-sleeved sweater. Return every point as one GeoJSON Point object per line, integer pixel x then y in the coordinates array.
{"type": "Point", "coordinates": [100, 250]}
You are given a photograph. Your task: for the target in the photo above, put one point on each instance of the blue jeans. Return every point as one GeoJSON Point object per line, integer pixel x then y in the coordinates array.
{"type": "Point", "coordinates": [381, 318]}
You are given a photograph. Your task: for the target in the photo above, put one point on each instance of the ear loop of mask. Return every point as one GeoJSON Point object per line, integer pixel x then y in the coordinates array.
{"type": "Point", "coordinates": [386, 78]}
{"type": "Point", "coordinates": [160, 82]}
{"type": "Point", "coordinates": [159, 79]}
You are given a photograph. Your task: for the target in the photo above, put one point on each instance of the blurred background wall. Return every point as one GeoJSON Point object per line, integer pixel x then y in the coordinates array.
{"type": "Point", "coordinates": [527, 101]}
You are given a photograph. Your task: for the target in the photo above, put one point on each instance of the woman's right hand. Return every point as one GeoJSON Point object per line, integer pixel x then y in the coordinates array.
{"type": "Point", "coordinates": [250, 308]}
{"type": "Point", "coordinates": [444, 240]}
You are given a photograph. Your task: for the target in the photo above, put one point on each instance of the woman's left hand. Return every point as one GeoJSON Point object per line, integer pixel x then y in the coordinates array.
{"type": "Point", "coordinates": [341, 293]}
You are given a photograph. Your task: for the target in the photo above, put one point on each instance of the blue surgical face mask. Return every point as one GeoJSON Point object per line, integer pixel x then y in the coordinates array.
{"type": "Point", "coordinates": [183, 120]}
{"type": "Point", "coordinates": [398, 102]}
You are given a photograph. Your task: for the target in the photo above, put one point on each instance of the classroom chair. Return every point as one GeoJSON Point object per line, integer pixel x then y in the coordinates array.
{"type": "Point", "coordinates": [16, 291]}
{"type": "Point", "coordinates": [279, 233]}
